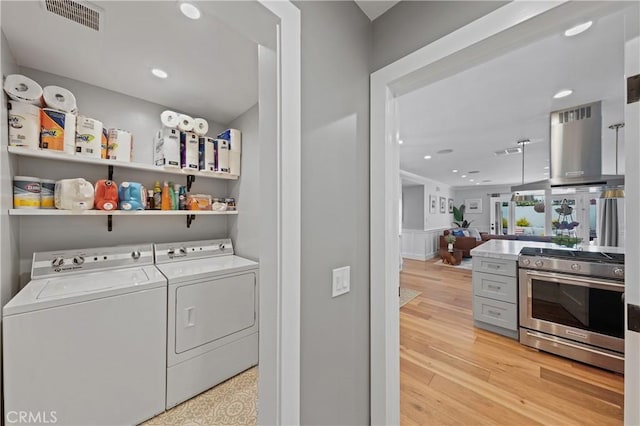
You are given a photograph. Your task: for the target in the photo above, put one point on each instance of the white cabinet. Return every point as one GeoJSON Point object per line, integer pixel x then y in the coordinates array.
{"type": "Point", "coordinates": [495, 295]}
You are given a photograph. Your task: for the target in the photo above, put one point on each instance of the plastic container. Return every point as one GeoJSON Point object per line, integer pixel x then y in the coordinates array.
{"type": "Point", "coordinates": [26, 192]}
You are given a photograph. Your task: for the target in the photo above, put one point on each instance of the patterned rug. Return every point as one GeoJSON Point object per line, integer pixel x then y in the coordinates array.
{"type": "Point", "coordinates": [407, 295]}
{"type": "Point", "coordinates": [465, 264]}
{"type": "Point", "coordinates": [230, 403]}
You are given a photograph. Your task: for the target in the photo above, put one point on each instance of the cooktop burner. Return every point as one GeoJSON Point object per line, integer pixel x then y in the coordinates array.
{"type": "Point", "coordinates": [585, 256]}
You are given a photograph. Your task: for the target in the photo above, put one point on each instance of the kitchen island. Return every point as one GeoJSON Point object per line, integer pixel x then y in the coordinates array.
{"type": "Point", "coordinates": [495, 282]}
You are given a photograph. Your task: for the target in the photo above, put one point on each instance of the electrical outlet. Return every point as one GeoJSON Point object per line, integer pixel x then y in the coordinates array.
{"type": "Point", "coordinates": [341, 282]}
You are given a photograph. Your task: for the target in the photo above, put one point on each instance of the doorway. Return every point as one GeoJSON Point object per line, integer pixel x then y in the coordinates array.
{"type": "Point", "coordinates": [490, 35]}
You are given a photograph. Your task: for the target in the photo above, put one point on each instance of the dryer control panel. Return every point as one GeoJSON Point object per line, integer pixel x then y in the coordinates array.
{"type": "Point", "coordinates": [189, 250]}
{"type": "Point", "coordinates": [56, 263]}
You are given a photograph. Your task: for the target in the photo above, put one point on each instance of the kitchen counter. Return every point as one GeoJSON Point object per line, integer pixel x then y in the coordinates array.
{"type": "Point", "coordinates": [510, 249]}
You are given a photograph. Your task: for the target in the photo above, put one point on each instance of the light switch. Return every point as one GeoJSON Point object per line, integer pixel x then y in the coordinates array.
{"type": "Point", "coordinates": [341, 282]}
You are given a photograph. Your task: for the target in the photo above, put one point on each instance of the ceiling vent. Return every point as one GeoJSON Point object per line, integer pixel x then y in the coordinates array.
{"type": "Point", "coordinates": [82, 12]}
{"type": "Point", "coordinates": [508, 151]}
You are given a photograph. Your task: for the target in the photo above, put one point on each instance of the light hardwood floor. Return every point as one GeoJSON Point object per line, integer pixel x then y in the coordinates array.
{"type": "Point", "coordinates": [454, 373]}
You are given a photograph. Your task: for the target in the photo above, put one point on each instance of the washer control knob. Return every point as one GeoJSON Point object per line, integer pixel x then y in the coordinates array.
{"type": "Point", "coordinates": [58, 261]}
{"type": "Point", "coordinates": [135, 254]}
{"type": "Point", "coordinates": [526, 262]}
{"type": "Point", "coordinates": [575, 267]}
{"type": "Point", "coordinates": [78, 260]}
{"type": "Point", "coordinates": [539, 263]}
{"type": "Point", "coordinates": [618, 272]}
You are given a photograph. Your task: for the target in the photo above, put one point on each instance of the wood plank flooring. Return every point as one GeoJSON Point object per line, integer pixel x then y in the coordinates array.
{"type": "Point", "coordinates": [453, 373]}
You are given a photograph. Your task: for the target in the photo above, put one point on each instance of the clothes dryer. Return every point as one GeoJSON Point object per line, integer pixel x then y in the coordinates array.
{"type": "Point", "coordinates": [212, 331]}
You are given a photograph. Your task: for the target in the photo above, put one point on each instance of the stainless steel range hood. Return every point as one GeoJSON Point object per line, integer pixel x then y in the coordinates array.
{"type": "Point", "coordinates": [575, 151]}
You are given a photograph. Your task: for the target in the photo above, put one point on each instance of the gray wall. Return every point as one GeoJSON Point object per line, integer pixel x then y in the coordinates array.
{"type": "Point", "coordinates": [9, 232]}
{"type": "Point", "coordinates": [336, 52]}
{"type": "Point", "coordinates": [244, 229]}
{"type": "Point", "coordinates": [410, 25]}
{"type": "Point", "coordinates": [480, 220]}
{"type": "Point", "coordinates": [413, 207]}
{"type": "Point", "coordinates": [69, 232]}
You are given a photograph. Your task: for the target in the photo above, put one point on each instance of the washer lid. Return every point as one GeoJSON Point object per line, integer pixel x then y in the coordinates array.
{"type": "Point", "coordinates": [61, 287]}
{"type": "Point", "coordinates": [213, 266]}
{"type": "Point", "coordinates": [64, 290]}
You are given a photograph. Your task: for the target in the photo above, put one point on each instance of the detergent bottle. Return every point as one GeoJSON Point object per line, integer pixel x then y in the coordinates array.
{"type": "Point", "coordinates": [166, 197]}
{"type": "Point", "coordinates": [157, 196]}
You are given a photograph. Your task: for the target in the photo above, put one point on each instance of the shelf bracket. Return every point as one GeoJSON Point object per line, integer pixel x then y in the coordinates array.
{"type": "Point", "coordinates": [190, 219]}
{"type": "Point", "coordinates": [190, 180]}
{"type": "Point", "coordinates": [110, 220]}
{"type": "Point", "coordinates": [110, 178]}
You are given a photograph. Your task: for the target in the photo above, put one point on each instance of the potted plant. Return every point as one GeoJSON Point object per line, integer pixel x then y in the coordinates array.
{"type": "Point", "coordinates": [458, 216]}
{"type": "Point", "coordinates": [450, 239]}
{"type": "Point", "coordinates": [523, 222]}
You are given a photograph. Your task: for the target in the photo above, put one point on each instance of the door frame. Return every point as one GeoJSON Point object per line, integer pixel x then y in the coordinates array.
{"type": "Point", "coordinates": [279, 378]}
{"type": "Point", "coordinates": [488, 36]}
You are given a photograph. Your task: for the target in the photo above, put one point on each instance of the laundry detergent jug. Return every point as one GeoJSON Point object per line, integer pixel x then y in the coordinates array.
{"type": "Point", "coordinates": [73, 194]}
{"type": "Point", "coordinates": [106, 195]}
{"type": "Point", "coordinates": [133, 196]}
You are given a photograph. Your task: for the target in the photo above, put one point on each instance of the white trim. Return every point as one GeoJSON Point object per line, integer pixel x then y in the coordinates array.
{"type": "Point", "coordinates": [288, 205]}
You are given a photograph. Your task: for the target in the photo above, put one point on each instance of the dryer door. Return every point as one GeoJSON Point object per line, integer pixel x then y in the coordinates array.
{"type": "Point", "coordinates": [213, 309]}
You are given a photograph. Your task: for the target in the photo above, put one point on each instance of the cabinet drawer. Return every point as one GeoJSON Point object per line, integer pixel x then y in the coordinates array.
{"type": "Point", "coordinates": [498, 287]}
{"type": "Point", "coordinates": [501, 314]}
{"type": "Point", "coordinates": [494, 266]}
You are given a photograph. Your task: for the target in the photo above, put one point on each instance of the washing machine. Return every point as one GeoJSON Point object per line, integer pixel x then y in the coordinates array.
{"type": "Point", "coordinates": [84, 342]}
{"type": "Point", "coordinates": [212, 331]}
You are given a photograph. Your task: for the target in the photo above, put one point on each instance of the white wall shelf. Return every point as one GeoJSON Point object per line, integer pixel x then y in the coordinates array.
{"type": "Point", "coordinates": [55, 212]}
{"type": "Point", "coordinates": [62, 156]}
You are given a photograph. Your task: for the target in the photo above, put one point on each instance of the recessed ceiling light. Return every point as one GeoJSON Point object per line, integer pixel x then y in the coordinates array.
{"type": "Point", "coordinates": [444, 151]}
{"type": "Point", "coordinates": [546, 167]}
{"type": "Point", "coordinates": [578, 29]}
{"type": "Point", "coordinates": [477, 183]}
{"type": "Point", "coordinates": [455, 170]}
{"type": "Point", "coordinates": [159, 73]}
{"type": "Point", "coordinates": [427, 157]}
{"type": "Point", "coordinates": [400, 141]}
{"type": "Point", "coordinates": [463, 176]}
{"type": "Point", "coordinates": [562, 93]}
{"type": "Point", "coordinates": [189, 10]}
{"type": "Point", "coordinates": [546, 173]}
{"type": "Point", "coordinates": [470, 180]}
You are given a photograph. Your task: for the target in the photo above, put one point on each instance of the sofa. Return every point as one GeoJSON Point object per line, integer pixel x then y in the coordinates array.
{"type": "Point", "coordinates": [462, 243]}
{"type": "Point", "coordinates": [538, 238]}
{"type": "Point", "coordinates": [466, 244]}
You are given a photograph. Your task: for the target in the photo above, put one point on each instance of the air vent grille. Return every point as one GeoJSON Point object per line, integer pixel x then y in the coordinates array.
{"type": "Point", "coordinates": [508, 151]}
{"type": "Point", "coordinates": [75, 12]}
{"type": "Point", "coordinates": [575, 114]}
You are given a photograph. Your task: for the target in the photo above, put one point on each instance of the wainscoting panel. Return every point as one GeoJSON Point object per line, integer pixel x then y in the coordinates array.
{"type": "Point", "coordinates": [420, 245]}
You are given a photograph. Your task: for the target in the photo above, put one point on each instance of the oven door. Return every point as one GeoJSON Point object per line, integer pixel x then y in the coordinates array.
{"type": "Point", "coordinates": [581, 309]}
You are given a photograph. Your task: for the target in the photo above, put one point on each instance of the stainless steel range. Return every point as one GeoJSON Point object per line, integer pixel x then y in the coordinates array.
{"type": "Point", "coordinates": [572, 304]}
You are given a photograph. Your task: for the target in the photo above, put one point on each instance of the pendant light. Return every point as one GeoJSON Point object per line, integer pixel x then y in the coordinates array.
{"type": "Point", "coordinates": [614, 192]}
{"type": "Point", "coordinates": [520, 197]}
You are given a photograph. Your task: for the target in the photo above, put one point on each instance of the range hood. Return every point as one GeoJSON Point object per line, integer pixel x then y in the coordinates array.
{"type": "Point", "coordinates": [575, 151]}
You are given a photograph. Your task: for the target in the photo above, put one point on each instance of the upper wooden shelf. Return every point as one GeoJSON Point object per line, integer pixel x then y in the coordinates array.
{"type": "Point", "coordinates": [62, 156]}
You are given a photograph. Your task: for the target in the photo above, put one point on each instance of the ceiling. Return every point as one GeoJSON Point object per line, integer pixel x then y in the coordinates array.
{"type": "Point", "coordinates": [375, 8]}
{"type": "Point", "coordinates": [493, 105]}
{"type": "Point", "coordinates": [213, 70]}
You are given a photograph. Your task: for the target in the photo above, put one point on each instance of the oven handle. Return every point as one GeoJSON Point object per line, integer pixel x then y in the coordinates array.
{"type": "Point", "coordinates": [582, 281]}
{"type": "Point", "coordinates": [565, 343]}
